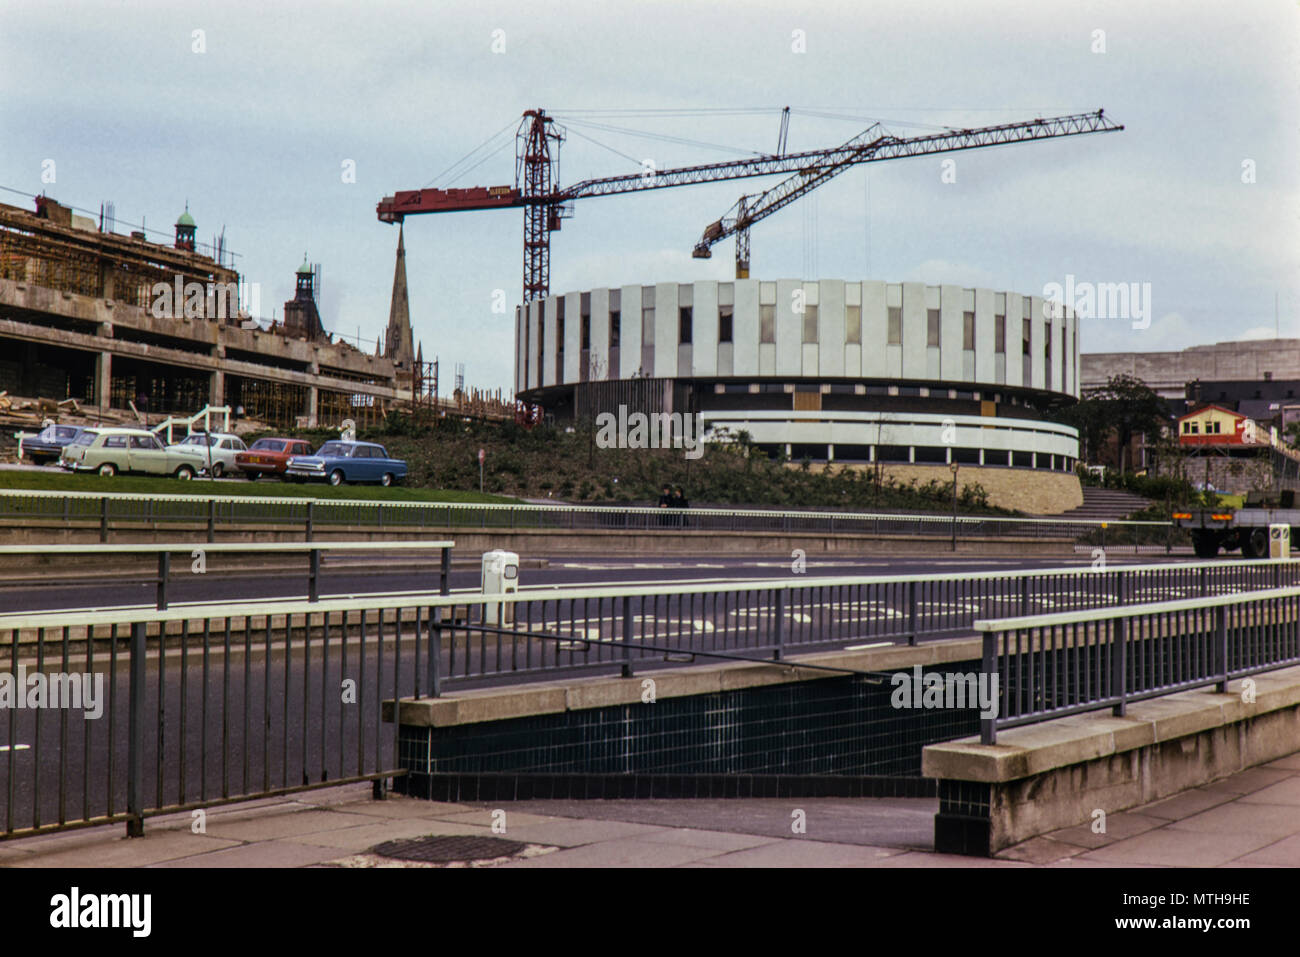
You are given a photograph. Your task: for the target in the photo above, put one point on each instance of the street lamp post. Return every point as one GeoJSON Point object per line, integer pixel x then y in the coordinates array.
{"type": "Point", "coordinates": [954, 466]}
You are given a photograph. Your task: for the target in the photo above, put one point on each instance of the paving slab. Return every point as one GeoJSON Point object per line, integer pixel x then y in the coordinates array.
{"type": "Point", "coordinates": [1168, 847]}
{"type": "Point", "coordinates": [1238, 817]}
{"type": "Point", "coordinates": [121, 851]}
{"type": "Point", "coordinates": [1119, 827]}
{"type": "Point", "coordinates": [624, 852]}
{"type": "Point", "coordinates": [283, 824]}
{"type": "Point", "coordinates": [261, 854]}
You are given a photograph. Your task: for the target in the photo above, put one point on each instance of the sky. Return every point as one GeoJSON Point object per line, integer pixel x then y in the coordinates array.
{"type": "Point", "coordinates": [284, 123]}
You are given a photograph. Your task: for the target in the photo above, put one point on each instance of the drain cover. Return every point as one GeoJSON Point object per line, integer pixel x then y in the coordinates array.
{"type": "Point", "coordinates": [443, 850]}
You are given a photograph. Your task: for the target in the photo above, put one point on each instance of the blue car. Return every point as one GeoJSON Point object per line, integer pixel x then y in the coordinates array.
{"type": "Point", "coordinates": [48, 445]}
{"type": "Point", "coordinates": [339, 462]}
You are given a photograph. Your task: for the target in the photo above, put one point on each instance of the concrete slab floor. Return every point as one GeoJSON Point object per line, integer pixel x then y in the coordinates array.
{"type": "Point", "coordinates": [1248, 820]}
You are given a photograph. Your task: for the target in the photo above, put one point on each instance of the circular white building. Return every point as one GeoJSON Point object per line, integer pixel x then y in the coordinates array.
{"type": "Point", "coordinates": [910, 376]}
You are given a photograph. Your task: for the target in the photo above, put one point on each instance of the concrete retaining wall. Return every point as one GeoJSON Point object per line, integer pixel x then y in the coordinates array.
{"type": "Point", "coordinates": [1057, 774]}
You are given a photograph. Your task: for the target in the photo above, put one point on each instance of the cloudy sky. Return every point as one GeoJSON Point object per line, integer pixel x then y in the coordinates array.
{"type": "Point", "coordinates": [255, 131]}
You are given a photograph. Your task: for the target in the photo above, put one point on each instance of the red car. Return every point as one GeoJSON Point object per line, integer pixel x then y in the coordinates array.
{"type": "Point", "coordinates": [269, 456]}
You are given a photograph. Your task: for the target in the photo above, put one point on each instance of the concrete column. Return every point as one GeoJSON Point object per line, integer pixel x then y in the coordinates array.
{"type": "Point", "coordinates": [104, 371]}
{"type": "Point", "coordinates": [217, 379]}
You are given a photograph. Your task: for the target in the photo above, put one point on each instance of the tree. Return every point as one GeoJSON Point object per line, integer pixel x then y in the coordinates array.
{"type": "Point", "coordinates": [1124, 407]}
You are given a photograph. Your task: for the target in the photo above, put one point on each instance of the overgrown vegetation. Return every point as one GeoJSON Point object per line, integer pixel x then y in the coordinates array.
{"type": "Point", "coordinates": [565, 464]}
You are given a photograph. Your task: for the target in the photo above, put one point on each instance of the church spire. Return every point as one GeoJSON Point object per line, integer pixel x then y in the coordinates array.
{"type": "Point", "coordinates": [397, 340]}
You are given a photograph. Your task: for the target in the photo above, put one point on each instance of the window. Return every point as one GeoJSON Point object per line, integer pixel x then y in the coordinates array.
{"type": "Point", "coordinates": [1028, 332]}
{"type": "Point", "coordinates": [968, 331]}
{"type": "Point", "coordinates": [852, 327]}
{"type": "Point", "coordinates": [614, 330]}
{"type": "Point", "coordinates": [648, 326]}
{"type": "Point", "coordinates": [268, 445]}
{"type": "Point", "coordinates": [767, 323]}
{"type": "Point", "coordinates": [932, 327]}
{"type": "Point", "coordinates": [724, 323]}
{"type": "Point", "coordinates": [586, 333]}
{"type": "Point", "coordinates": [810, 325]}
{"type": "Point", "coordinates": [115, 442]}
{"type": "Point", "coordinates": [895, 331]}
{"type": "Point", "coordinates": [1000, 334]}
{"type": "Point", "coordinates": [141, 442]}
{"type": "Point", "coordinates": [559, 344]}
{"type": "Point", "coordinates": [685, 320]}
{"type": "Point", "coordinates": [1194, 428]}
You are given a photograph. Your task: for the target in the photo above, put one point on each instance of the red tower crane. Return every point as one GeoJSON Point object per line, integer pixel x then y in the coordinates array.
{"type": "Point", "coordinates": [546, 204]}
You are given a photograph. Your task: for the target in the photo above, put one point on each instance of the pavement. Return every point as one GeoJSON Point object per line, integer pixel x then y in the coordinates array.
{"type": "Point", "coordinates": [1251, 819]}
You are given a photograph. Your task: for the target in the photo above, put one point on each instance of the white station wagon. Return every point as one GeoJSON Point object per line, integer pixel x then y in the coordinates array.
{"type": "Point", "coordinates": [217, 450]}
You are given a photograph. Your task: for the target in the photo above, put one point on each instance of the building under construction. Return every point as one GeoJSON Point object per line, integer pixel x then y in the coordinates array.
{"type": "Point", "coordinates": [121, 324]}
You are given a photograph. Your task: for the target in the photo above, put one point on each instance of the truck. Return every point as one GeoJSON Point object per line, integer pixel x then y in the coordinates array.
{"type": "Point", "coordinates": [1245, 528]}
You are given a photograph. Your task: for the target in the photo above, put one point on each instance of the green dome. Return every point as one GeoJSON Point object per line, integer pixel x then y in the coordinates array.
{"type": "Point", "coordinates": [186, 219]}
{"type": "Point", "coordinates": [305, 268]}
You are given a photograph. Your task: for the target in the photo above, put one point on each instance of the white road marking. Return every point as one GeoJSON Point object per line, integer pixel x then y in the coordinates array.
{"type": "Point", "coordinates": [17, 747]}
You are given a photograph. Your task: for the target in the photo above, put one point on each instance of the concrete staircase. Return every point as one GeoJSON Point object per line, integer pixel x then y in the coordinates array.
{"type": "Point", "coordinates": [1105, 505]}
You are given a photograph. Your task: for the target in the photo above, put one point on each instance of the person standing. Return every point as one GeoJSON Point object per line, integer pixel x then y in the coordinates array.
{"type": "Point", "coordinates": [679, 502]}
{"type": "Point", "coordinates": [665, 501]}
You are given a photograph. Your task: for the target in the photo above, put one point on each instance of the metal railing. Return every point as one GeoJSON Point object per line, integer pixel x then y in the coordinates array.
{"type": "Point", "coordinates": [313, 551]}
{"type": "Point", "coordinates": [1050, 666]}
{"type": "Point", "coordinates": [110, 510]}
{"type": "Point", "coordinates": [207, 703]}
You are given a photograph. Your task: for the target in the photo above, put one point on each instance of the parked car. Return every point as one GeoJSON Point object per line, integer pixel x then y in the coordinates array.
{"type": "Point", "coordinates": [338, 462]}
{"type": "Point", "coordinates": [110, 451]}
{"type": "Point", "coordinates": [48, 445]}
{"type": "Point", "coordinates": [217, 450]}
{"type": "Point", "coordinates": [270, 456]}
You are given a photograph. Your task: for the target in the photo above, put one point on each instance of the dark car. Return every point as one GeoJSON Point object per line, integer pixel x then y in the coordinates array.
{"type": "Point", "coordinates": [270, 456]}
{"type": "Point", "coordinates": [338, 462]}
{"type": "Point", "coordinates": [48, 445]}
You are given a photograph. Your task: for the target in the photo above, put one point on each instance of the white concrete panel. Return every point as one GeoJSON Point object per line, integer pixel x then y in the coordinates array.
{"type": "Point", "coordinates": [549, 372]}
{"type": "Point", "coordinates": [914, 331]}
{"type": "Point", "coordinates": [1038, 366]}
{"type": "Point", "coordinates": [789, 329]}
{"type": "Point", "coordinates": [572, 336]}
{"type": "Point", "coordinates": [600, 334]}
{"type": "Point", "coordinates": [766, 358]}
{"type": "Point", "coordinates": [705, 332]}
{"type": "Point", "coordinates": [629, 346]}
{"type": "Point", "coordinates": [1014, 314]}
{"type": "Point", "coordinates": [537, 311]}
{"type": "Point", "coordinates": [894, 294]}
{"type": "Point", "coordinates": [519, 350]}
{"type": "Point", "coordinates": [967, 300]}
{"type": "Point", "coordinates": [932, 294]}
{"type": "Point", "coordinates": [853, 361]}
{"type": "Point", "coordinates": [665, 330]}
{"type": "Point", "coordinates": [875, 331]}
{"type": "Point", "coordinates": [830, 327]}
{"type": "Point", "coordinates": [932, 360]}
{"type": "Point", "coordinates": [984, 336]}
{"type": "Point", "coordinates": [950, 331]}
{"type": "Point", "coordinates": [810, 359]}
{"type": "Point", "coordinates": [744, 355]}
{"type": "Point", "coordinates": [893, 363]}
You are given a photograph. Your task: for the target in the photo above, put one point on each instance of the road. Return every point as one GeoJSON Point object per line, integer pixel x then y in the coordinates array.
{"type": "Point", "coordinates": [595, 571]}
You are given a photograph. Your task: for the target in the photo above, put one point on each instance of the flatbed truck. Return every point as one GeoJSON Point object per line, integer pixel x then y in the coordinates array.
{"type": "Point", "coordinates": [1245, 528]}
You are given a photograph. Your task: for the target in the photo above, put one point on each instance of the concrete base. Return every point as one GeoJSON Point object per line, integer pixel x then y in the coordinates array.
{"type": "Point", "coordinates": [674, 542]}
{"type": "Point", "coordinates": [1061, 773]}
